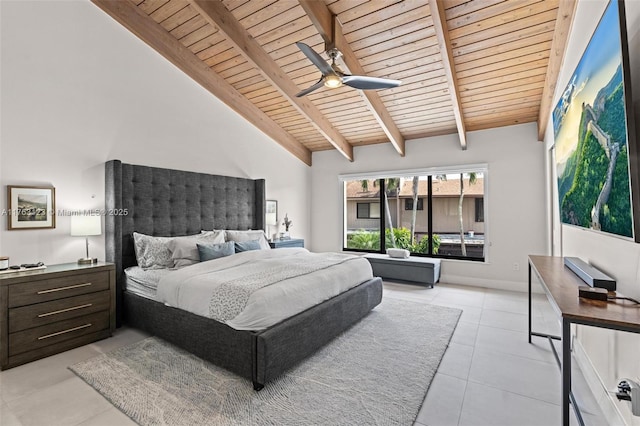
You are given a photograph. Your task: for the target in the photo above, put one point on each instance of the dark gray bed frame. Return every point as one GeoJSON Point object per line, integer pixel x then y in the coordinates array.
{"type": "Point", "coordinates": [164, 202]}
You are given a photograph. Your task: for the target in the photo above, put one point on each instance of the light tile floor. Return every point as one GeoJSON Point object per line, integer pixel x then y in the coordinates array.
{"type": "Point", "coordinates": [489, 375]}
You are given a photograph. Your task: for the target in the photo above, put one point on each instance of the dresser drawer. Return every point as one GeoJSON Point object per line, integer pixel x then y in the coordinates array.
{"type": "Point", "coordinates": [46, 335]}
{"type": "Point", "coordinates": [57, 288]}
{"type": "Point", "coordinates": [40, 314]}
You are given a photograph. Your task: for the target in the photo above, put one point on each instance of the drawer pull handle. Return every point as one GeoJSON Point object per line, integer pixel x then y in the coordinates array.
{"type": "Point", "coordinates": [69, 287]}
{"type": "Point", "coordinates": [65, 310]}
{"type": "Point", "coordinates": [65, 331]}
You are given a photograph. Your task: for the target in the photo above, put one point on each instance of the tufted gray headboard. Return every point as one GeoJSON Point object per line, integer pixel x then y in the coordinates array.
{"type": "Point", "coordinates": [168, 203]}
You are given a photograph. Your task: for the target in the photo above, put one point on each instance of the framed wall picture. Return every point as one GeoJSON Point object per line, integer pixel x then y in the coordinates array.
{"type": "Point", "coordinates": [31, 207]}
{"type": "Point", "coordinates": [272, 213]}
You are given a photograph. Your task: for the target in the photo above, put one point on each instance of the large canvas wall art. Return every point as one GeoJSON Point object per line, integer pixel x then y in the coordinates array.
{"type": "Point", "coordinates": [592, 134]}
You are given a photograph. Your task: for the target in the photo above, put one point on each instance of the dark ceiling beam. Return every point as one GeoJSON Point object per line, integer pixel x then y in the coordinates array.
{"type": "Point", "coordinates": [330, 28]}
{"type": "Point", "coordinates": [437, 9]}
{"type": "Point", "coordinates": [566, 11]}
{"type": "Point", "coordinates": [145, 28]}
{"type": "Point", "coordinates": [217, 14]}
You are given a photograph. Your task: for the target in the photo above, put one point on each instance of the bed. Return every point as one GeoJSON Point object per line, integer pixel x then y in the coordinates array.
{"type": "Point", "coordinates": [165, 202]}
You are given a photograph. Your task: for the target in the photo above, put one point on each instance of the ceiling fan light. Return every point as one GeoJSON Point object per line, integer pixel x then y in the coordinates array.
{"type": "Point", "coordinates": [332, 81]}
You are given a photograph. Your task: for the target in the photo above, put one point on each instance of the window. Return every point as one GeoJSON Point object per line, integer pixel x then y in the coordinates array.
{"type": "Point", "coordinates": [368, 211]}
{"type": "Point", "coordinates": [362, 211]}
{"type": "Point", "coordinates": [449, 219]}
{"type": "Point", "coordinates": [408, 204]}
{"type": "Point", "coordinates": [479, 209]}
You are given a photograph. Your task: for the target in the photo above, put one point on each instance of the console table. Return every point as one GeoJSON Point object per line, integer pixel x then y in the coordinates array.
{"type": "Point", "coordinates": [561, 288]}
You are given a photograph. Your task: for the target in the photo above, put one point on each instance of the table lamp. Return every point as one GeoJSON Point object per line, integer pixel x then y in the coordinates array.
{"type": "Point", "coordinates": [84, 226]}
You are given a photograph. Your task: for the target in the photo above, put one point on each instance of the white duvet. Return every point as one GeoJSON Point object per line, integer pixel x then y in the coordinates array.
{"type": "Point", "coordinates": [195, 287]}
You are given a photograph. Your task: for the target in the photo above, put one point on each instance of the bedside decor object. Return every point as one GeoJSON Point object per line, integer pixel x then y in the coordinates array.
{"type": "Point", "coordinates": [85, 226]}
{"type": "Point", "coordinates": [30, 267]}
{"type": "Point", "coordinates": [287, 224]}
{"type": "Point", "coordinates": [4, 263]}
{"type": "Point", "coordinates": [31, 207]}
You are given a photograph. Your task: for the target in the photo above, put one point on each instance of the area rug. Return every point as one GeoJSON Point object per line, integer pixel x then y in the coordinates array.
{"type": "Point", "coordinates": [376, 373]}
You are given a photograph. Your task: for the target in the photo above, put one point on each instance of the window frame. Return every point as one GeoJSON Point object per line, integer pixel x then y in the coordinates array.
{"type": "Point", "coordinates": [428, 173]}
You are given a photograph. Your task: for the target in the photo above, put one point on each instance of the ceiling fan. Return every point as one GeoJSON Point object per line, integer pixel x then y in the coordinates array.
{"type": "Point", "coordinates": [332, 75]}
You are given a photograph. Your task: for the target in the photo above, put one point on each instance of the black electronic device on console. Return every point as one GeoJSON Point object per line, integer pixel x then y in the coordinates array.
{"type": "Point", "coordinates": [590, 275]}
{"type": "Point", "coordinates": [595, 293]}
{"type": "Point", "coordinates": [31, 265]}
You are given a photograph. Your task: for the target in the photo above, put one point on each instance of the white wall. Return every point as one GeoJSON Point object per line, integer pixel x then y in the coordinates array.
{"type": "Point", "coordinates": [78, 89]}
{"type": "Point", "coordinates": [515, 200]}
{"type": "Point", "coordinates": [612, 355]}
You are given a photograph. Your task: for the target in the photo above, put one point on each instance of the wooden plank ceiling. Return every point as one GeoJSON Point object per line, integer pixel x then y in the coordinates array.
{"type": "Point", "coordinates": [464, 65]}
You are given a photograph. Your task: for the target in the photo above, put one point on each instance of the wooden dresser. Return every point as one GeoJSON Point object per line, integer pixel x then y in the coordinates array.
{"type": "Point", "coordinates": [44, 312]}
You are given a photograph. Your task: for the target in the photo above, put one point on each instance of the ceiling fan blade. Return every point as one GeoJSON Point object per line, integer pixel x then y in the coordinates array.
{"type": "Point", "coordinates": [308, 90]}
{"type": "Point", "coordinates": [316, 59]}
{"type": "Point", "coordinates": [365, 83]}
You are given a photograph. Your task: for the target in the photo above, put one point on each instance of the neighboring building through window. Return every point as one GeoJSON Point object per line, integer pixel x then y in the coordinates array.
{"type": "Point", "coordinates": [479, 209]}
{"type": "Point", "coordinates": [368, 211]}
{"type": "Point", "coordinates": [408, 204]}
{"type": "Point", "coordinates": [448, 220]}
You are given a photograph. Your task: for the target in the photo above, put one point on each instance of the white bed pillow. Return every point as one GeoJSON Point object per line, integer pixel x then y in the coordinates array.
{"type": "Point", "coordinates": [184, 251]}
{"type": "Point", "coordinates": [153, 252]}
{"type": "Point", "coordinates": [241, 236]}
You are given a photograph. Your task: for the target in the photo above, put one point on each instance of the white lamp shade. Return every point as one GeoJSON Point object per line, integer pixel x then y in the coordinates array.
{"type": "Point", "coordinates": [82, 226]}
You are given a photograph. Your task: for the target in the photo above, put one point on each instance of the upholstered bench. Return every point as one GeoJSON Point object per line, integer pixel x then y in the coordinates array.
{"type": "Point", "coordinates": [421, 270]}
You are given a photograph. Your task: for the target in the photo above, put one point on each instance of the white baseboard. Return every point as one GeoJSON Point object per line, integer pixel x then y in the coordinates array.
{"type": "Point", "coordinates": [605, 401]}
{"type": "Point", "coordinates": [489, 283]}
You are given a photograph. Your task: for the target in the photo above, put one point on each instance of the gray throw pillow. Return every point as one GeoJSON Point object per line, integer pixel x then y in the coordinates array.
{"type": "Point", "coordinates": [241, 236]}
{"type": "Point", "coordinates": [241, 246]}
{"type": "Point", "coordinates": [214, 251]}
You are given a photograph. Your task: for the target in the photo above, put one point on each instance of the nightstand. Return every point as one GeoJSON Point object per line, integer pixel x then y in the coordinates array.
{"type": "Point", "coordinates": [47, 311]}
{"type": "Point", "coordinates": [293, 242]}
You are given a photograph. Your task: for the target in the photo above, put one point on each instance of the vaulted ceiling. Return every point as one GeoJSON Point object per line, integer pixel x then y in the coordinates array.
{"type": "Point", "coordinates": [464, 64]}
